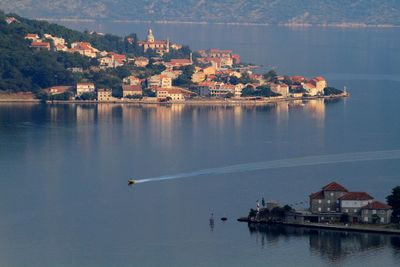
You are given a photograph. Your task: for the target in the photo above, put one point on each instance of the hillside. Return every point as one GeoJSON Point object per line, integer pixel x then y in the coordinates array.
{"type": "Point", "coordinates": [25, 69]}
{"type": "Point", "coordinates": [371, 12]}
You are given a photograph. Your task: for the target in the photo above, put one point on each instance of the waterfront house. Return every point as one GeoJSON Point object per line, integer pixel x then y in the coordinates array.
{"type": "Point", "coordinates": [131, 90]}
{"type": "Point", "coordinates": [376, 212]}
{"type": "Point", "coordinates": [104, 95]}
{"type": "Point", "coordinates": [85, 88]}
{"type": "Point", "coordinates": [174, 94]}
{"type": "Point", "coordinates": [352, 202]}
{"type": "Point", "coordinates": [203, 88]}
{"type": "Point", "coordinates": [55, 90]}
{"type": "Point", "coordinates": [335, 203]}
{"type": "Point", "coordinates": [327, 200]}
{"type": "Point", "coordinates": [315, 86]}
{"type": "Point", "coordinates": [280, 88]}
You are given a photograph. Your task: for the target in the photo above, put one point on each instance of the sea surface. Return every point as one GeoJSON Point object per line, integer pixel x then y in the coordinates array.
{"type": "Point", "coordinates": [64, 198]}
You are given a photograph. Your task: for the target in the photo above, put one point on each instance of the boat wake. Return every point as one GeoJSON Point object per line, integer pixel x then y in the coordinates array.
{"type": "Point", "coordinates": [284, 163]}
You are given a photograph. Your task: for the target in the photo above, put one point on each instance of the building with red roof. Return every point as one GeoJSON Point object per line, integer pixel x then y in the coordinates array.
{"type": "Point", "coordinates": [334, 202]}
{"type": "Point", "coordinates": [376, 212]}
{"type": "Point", "coordinates": [41, 45]}
{"type": "Point", "coordinates": [131, 90]}
{"type": "Point", "coordinates": [326, 200]}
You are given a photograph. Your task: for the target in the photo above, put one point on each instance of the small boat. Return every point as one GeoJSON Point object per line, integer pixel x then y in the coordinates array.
{"type": "Point", "coordinates": [224, 219]}
{"type": "Point", "coordinates": [131, 182]}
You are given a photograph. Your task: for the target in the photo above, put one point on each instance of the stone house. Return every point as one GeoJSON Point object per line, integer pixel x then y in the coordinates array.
{"type": "Point", "coordinates": [327, 200]}
{"type": "Point", "coordinates": [376, 212]}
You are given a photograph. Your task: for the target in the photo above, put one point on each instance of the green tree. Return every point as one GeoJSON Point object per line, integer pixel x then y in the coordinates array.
{"type": "Point", "coordinates": [394, 200]}
{"type": "Point", "coordinates": [88, 96]}
{"type": "Point", "coordinates": [270, 75]}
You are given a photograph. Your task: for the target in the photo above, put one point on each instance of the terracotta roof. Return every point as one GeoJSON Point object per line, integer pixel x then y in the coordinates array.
{"type": "Point", "coordinates": [126, 87]}
{"type": "Point", "coordinates": [213, 50]}
{"type": "Point", "coordinates": [104, 90]}
{"type": "Point", "coordinates": [40, 44]}
{"type": "Point", "coordinates": [180, 61]}
{"type": "Point", "coordinates": [319, 78]}
{"type": "Point", "coordinates": [91, 84]}
{"type": "Point", "coordinates": [174, 91]}
{"type": "Point", "coordinates": [356, 196]}
{"type": "Point", "coordinates": [317, 195]}
{"type": "Point", "coordinates": [376, 205]}
{"type": "Point", "coordinates": [31, 35]}
{"type": "Point", "coordinates": [297, 78]}
{"type": "Point", "coordinates": [334, 187]}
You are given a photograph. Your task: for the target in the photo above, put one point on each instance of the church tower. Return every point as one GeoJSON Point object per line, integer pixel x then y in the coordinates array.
{"type": "Point", "coordinates": [150, 36]}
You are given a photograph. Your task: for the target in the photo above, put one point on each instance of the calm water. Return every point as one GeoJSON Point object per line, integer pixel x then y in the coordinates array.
{"type": "Point", "coordinates": [64, 169]}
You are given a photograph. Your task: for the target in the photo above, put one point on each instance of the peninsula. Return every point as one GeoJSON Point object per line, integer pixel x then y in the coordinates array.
{"type": "Point", "coordinates": [334, 207]}
{"type": "Point", "coordinates": [56, 64]}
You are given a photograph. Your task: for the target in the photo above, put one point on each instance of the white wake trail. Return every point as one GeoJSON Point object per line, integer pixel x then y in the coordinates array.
{"type": "Point", "coordinates": [284, 163]}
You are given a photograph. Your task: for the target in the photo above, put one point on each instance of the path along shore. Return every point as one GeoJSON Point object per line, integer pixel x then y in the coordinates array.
{"type": "Point", "coordinates": [196, 101]}
{"type": "Point", "coordinates": [383, 229]}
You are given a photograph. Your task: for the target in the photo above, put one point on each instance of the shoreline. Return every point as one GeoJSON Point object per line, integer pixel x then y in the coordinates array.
{"type": "Point", "coordinates": [194, 102]}
{"type": "Point", "coordinates": [165, 22]}
{"type": "Point", "coordinates": [337, 227]}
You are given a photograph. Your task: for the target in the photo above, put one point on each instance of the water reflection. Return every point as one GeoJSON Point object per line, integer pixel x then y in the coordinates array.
{"type": "Point", "coordinates": [330, 245]}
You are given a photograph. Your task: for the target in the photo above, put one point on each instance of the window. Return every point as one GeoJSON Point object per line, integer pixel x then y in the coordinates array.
{"type": "Point", "coordinates": [365, 219]}
{"type": "Point", "coordinates": [355, 210]}
{"type": "Point", "coordinates": [319, 209]}
{"type": "Point", "coordinates": [346, 210]}
{"type": "Point", "coordinates": [329, 201]}
{"type": "Point", "coordinates": [332, 194]}
{"type": "Point", "coordinates": [329, 209]}
{"type": "Point", "coordinates": [382, 220]}
{"type": "Point", "coordinates": [373, 211]}
{"type": "Point", "coordinates": [319, 201]}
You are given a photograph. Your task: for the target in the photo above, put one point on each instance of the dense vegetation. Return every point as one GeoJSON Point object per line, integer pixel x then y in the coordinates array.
{"type": "Point", "coordinates": [394, 200]}
{"type": "Point", "coordinates": [260, 91]}
{"type": "Point", "coordinates": [24, 69]}
{"type": "Point", "coordinates": [242, 11]}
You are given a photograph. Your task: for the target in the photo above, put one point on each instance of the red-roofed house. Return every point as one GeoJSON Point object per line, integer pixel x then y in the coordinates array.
{"type": "Point", "coordinates": [180, 62]}
{"type": "Point", "coordinates": [326, 200]}
{"type": "Point", "coordinates": [84, 48]}
{"type": "Point", "coordinates": [376, 212]}
{"type": "Point", "coordinates": [334, 203]}
{"type": "Point", "coordinates": [32, 36]}
{"type": "Point", "coordinates": [41, 46]}
{"type": "Point", "coordinates": [174, 94]}
{"type": "Point", "coordinates": [131, 90]}
{"type": "Point", "coordinates": [352, 202]}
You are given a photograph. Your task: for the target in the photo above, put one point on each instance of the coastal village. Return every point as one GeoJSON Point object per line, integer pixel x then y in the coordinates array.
{"type": "Point", "coordinates": [334, 206]}
{"type": "Point", "coordinates": [214, 74]}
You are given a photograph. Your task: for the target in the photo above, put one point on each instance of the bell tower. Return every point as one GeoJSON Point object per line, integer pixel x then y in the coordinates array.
{"type": "Point", "coordinates": [150, 36]}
